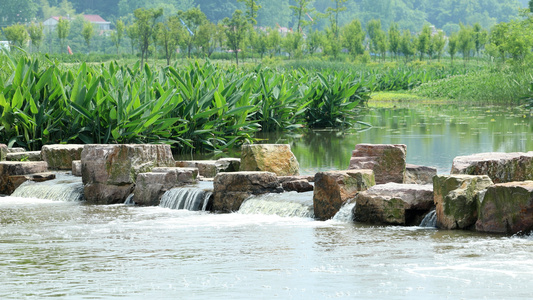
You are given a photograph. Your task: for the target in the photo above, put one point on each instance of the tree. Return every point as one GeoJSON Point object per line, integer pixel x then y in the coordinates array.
{"type": "Point", "coordinates": [292, 43]}
{"type": "Point", "coordinates": [452, 45]}
{"type": "Point", "coordinates": [169, 34]}
{"type": "Point", "coordinates": [63, 29]}
{"type": "Point", "coordinates": [333, 45]}
{"type": "Point", "coordinates": [274, 41]}
{"type": "Point", "coordinates": [16, 35]}
{"type": "Point", "coordinates": [407, 45]}
{"type": "Point", "coordinates": [373, 29]}
{"type": "Point", "coordinates": [465, 42]}
{"type": "Point", "coordinates": [480, 36]}
{"type": "Point", "coordinates": [314, 41]}
{"type": "Point", "coordinates": [334, 15]}
{"type": "Point", "coordinates": [206, 38]}
{"type": "Point", "coordinates": [236, 32]}
{"type": "Point", "coordinates": [193, 19]}
{"type": "Point", "coordinates": [382, 44]}
{"type": "Point", "coordinates": [424, 41]}
{"type": "Point", "coordinates": [145, 21]}
{"type": "Point", "coordinates": [118, 34]}
{"type": "Point", "coordinates": [17, 11]}
{"type": "Point", "coordinates": [88, 33]}
{"type": "Point", "coordinates": [438, 42]}
{"type": "Point", "coordinates": [36, 34]}
{"type": "Point", "coordinates": [252, 6]}
{"type": "Point", "coordinates": [353, 37]}
{"type": "Point", "coordinates": [394, 39]}
{"type": "Point", "coordinates": [261, 43]}
{"type": "Point", "coordinates": [131, 32]}
{"type": "Point", "coordinates": [300, 9]}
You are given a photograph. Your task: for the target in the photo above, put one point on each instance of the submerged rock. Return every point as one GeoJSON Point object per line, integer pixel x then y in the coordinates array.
{"type": "Point", "coordinates": [334, 188]}
{"type": "Point", "coordinates": [60, 157]}
{"type": "Point", "coordinates": [231, 189]}
{"type": "Point", "coordinates": [11, 172]}
{"type": "Point", "coordinates": [24, 156]}
{"type": "Point", "coordinates": [500, 167]}
{"type": "Point", "coordinates": [507, 208]}
{"type": "Point", "coordinates": [456, 199]}
{"type": "Point", "coordinates": [419, 174]}
{"type": "Point", "coordinates": [394, 204]}
{"type": "Point", "coordinates": [109, 171]}
{"type": "Point", "coordinates": [387, 161]}
{"type": "Point", "coordinates": [3, 152]}
{"type": "Point", "coordinates": [276, 158]}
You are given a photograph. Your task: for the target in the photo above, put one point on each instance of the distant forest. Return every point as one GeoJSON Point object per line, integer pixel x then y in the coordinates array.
{"type": "Point", "coordinates": [409, 14]}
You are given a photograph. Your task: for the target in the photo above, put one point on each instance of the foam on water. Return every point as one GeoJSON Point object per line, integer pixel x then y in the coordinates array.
{"type": "Point", "coordinates": [193, 198]}
{"type": "Point", "coordinates": [290, 204]}
{"type": "Point", "coordinates": [64, 188]}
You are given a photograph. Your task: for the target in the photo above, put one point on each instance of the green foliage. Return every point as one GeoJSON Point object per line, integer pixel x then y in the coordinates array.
{"type": "Point", "coordinates": [16, 34]}
{"type": "Point", "coordinates": [88, 33]}
{"type": "Point", "coordinates": [36, 35]}
{"type": "Point", "coordinates": [236, 32]}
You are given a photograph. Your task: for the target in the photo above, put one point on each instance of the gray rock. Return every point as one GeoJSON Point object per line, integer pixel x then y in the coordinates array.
{"type": "Point", "coordinates": [16, 149]}
{"type": "Point", "coordinates": [500, 167]}
{"type": "Point", "coordinates": [76, 168]}
{"type": "Point", "coordinates": [10, 172]}
{"type": "Point", "coordinates": [24, 156]}
{"type": "Point", "coordinates": [151, 186]}
{"type": "Point", "coordinates": [60, 157]}
{"type": "Point", "coordinates": [419, 174]}
{"type": "Point", "coordinates": [394, 204]}
{"type": "Point", "coordinates": [387, 161]}
{"type": "Point", "coordinates": [3, 152]}
{"type": "Point", "coordinates": [183, 175]}
{"type": "Point", "coordinates": [231, 189]}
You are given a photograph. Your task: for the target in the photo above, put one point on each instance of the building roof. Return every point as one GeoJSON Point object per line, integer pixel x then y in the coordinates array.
{"type": "Point", "coordinates": [94, 19]}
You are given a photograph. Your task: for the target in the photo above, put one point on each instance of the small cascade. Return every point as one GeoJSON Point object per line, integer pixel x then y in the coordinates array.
{"type": "Point", "coordinates": [64, 188]}
{"type": "Point", "coordinates": [291, 204]}
{"type": "Point", "coordinates": [430, 220]}
{"type": "Point", "coordinates": [189, 198]}
{"type": "Point", "coordinates": [129, 200]}
{"type": "Point", "coordinates": [345, 214]}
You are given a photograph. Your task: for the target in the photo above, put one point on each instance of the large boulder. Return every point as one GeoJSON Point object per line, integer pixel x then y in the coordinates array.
{"type": "Point", "coordinates": [11, 172]}
{"type": "Point", "coordinates": [387, 161]}
{"type": "Point", "coordinates": [3, 152]}
{"type": "Point", "coordinates": [276, 158]}
{"type": "Point", "coordinates": [506, 208]}
{"type": "Point", "coordinates": [231, 189]}
{"type": "Point", "coordinates": [419, 174]}
{"type": "Point", "coordinates": [456, 199]}
{"type": "Point", "coordinates": [500, 167]}
{"type": "Point", "coordinates": [150, 186]}
{"type": "Point", "coordinates": [334, 188]}
{"type": "Point", "coordinates": [60, 157]}
{"type": "Point", "coordinates": [24, 156]}
{"type": "Point", "coordinates": [394, 204]}
{"type": "Point", "coordinates": [109, 172]}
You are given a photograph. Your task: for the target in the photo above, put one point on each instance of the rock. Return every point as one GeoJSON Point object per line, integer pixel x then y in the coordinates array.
{"type": "Point", "coordinates": [228, 164]}
{"type": "Point", "coordinates": [394, 204]}
{"type": "Point", "coordinates": [387, 161]}
{"type": "Point", "coordinates": [150, 186]}
{"type": "Point", "coordinates": [507, 208]}
{"type": "Point", "coordinates": [231, 189]}
{"type": "Point", "coordinates": [456, 199]}
{"type": "Point", "coordinates": [60, 157]}
{"type": "Point", "coordinates": [76, 168]}
{"type": "Point", "coordinates": [500, 167]}
{"type": "Point", "coordinates": [276, 158]}
{"type": "Point", "coordinates": [15, 150]}
{"type": "Point", "coordinates": [39, 177]}
{"type": "Point", "coordinates": [8, 169]}
{"type": "Point", "coordinates": [334, 188]}
{"type": "Point", "coordinates": [24, 156]}
{"type": "Point", "coordinates": [300, 186]}
{"type": "Point", "coordinates": [419, 174]}
{"type": "Point", "coordinates": [183, 175]}
{"type": "Point", "coordinates": [206, 168]}
{"type": "Point", "coordinates": [308, 178]}
{"type": "Point", "coordinates": [109, 171]}
{"type": "Point", "coordinates": [3, 152]}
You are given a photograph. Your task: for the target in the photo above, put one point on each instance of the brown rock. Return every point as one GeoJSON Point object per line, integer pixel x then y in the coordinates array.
{"type": "Point", "coordinates": [500, 167]}
{"type": "Point", "coordinates": [334, 188]}
{"type": "Point", "coordinates": [507, 208]}
{"type": "Point", "coordinates": [109, 171]}
{"type": "Point", "coordinates": [456, 199]}
{"type": "Point", "coordinates": [275, 158]}
{"type": "Point", "coordinates": [39, 177]}
{"type": "Point", "coordinates": [419, 174]}
{"type": "Point", "coordinates": [300, 186]}
{"type": "Point", "coordinates": [394, 204]}
{"type": "Point", "coordinates": [8, 169]}
{"type": "Point", "coordinates": [387, 161]}
{"type": "Point", "coordinates": [231, 189]}
{"type": "Point", "coordinates": [150, 186]}
{"type": "Point", "coordinates": [60, 157]}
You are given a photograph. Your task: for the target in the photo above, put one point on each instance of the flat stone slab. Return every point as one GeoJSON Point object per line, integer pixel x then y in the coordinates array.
{"type": "Point", "coordinates": [334, 188]}
{"type": "Point", "coordinates": [500, 167]}
{"type": "Point", "coordinates": [419, 174]}
{"type": "Point", "coordinates": [60, 157]}
{"type": "Point", "coordinates": [387, 161]}
{"type": "Point", "coordinates": [507, 208]}
{"type": "Point", "coordinates": [394, 204]}
{"type": "Point", "coordinates": [24, 156]}
{"type": "Point", "coordinates": [456, 199]}
{"type": "Point", "coordinates": [16, 149]}
{"type": "Point", "coordinates": [231, 189]}
{"type": "Point", "coordinates": [210, 168]}
{"type": "Point", "coordinates": [183, 175]}
{"type": "Point", "coordinates": [8, 169]}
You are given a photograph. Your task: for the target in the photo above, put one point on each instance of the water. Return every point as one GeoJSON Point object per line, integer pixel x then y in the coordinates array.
{"type": "Point", "coordinates": [193, 198]}
{"type": "Point", "coordinates": [345, 214]}
{"type": "Point", "coordinates": [64, 188]}
{"type": "Point", "coordinates": [430, 220]}
{"type": "Point", "coordinates": [71, 250]}
{"type": "Point", "coordinates": [291, 204]}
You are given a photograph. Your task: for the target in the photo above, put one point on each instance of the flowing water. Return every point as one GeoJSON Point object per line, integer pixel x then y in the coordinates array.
{"type": "Point", "coordinates": [291, 204]}
{"type": "Point", "coordinates": [71, 250]}
{"type": "Point", "coordinates": [193, 198]}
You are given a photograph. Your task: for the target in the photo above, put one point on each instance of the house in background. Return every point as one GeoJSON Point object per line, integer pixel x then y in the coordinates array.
{"type": "Point", "coordinates": [100, 24]}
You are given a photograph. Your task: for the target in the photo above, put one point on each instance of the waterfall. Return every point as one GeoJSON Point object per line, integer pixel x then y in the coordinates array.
{"type": "Point", "coordinates": [64, 188]}
{"type": "Point", "coordinates": [290, 204]}
{"type": "Point", "coordinates": [345, 214]}
{"type": "Point", "coordinates": [430, 220]}
{"type": "Point", "coordinates": [129, 200]}
{"type": "Point", "coordinates": [189, 198]}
